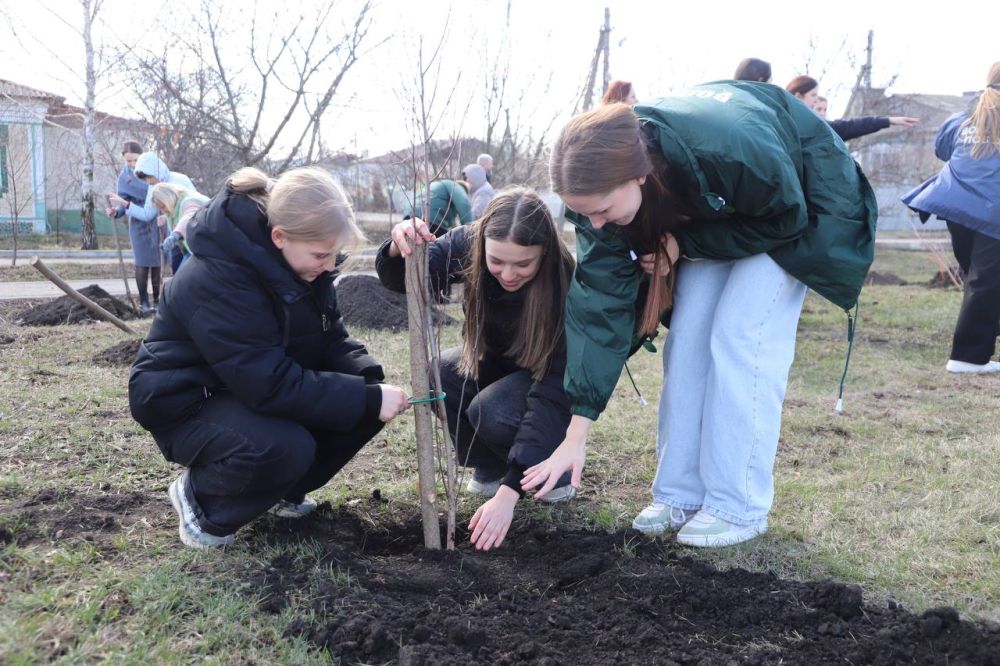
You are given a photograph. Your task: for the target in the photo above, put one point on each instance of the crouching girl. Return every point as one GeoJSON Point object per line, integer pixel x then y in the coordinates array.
{"type": "Point", "coordinates": [247, 377]}
{"type": "Point", "coordinates": [505, 403]}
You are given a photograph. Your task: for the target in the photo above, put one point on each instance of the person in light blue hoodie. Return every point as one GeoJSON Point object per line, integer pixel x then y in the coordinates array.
{"type": "Point", "coordinates": [150, 168]}
{"type": "Point", "coordinates": [132, 190]}
{"type": "Point", "coordinates": [966, 194]}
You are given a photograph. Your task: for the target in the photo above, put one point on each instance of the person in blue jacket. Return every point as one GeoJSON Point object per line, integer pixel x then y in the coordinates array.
{"type": "Point", "coordinates": [966, 194]}
{"type": "Point", "coordinates": [247, 377]}
{"type": "Point", "coordinates": [505, 404]}
{"type": "Point", "coordinates": [142, 232]}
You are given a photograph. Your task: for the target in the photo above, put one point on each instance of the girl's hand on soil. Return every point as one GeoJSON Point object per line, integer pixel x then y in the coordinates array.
{"type": "Point", "coordinates": [408, 233]}
{"type": "Point", "coordinates": [669, 243]}
{"type": "Point", "coordinates": [570, 455]}
{"type": "Point", "coordinates": [492, 520]}
{"type": "Point", "coordinates": [395, 401]}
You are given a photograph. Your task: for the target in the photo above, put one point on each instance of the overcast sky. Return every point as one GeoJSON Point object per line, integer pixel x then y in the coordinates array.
{"type": "Point", "coordinates": [661, 46]}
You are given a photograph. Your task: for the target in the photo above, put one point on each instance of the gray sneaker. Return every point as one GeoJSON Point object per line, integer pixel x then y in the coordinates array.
{"type": "Point", "coordinates": [560, 494]}
{"type": "Point", "coordinates": [659, 517]}
{"type": "Point", "coordinates": [286, 509]}
{"type": "Point", "coordinates": [190, 531]}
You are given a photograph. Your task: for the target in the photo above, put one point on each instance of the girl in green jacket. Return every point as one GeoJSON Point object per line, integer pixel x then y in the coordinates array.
{"type": "Point", "coordinates": [728, 201]}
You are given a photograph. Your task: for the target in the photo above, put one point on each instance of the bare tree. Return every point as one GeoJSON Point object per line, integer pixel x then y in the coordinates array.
{"type": "Point", "coordinates": [16, 191]}
{"type": "Point", "coordinates": [246, 103]}
{"type": "Point", "coordinates": [88, 227]}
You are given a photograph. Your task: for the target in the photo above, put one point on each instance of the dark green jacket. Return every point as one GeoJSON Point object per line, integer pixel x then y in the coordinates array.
{"type": "Point", "coordinates": [448, 200]}
{"type": "Point", "coordinates": [764, 174]}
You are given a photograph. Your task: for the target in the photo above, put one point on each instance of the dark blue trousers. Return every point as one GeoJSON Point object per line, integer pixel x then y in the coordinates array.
{"type": "Point", "coordinates": [242, 462]}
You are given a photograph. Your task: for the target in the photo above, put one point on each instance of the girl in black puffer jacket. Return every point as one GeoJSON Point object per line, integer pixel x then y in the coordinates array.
{"type": "Point", "coordinates": [247, 377]}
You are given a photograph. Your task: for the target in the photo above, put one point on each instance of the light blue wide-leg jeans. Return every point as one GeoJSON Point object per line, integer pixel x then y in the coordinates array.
{"type": "Point", "coordinates": [725, 370]}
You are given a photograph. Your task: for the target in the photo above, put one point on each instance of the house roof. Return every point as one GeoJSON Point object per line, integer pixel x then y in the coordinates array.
{"type": "Point", "coordinates": [12, 89]}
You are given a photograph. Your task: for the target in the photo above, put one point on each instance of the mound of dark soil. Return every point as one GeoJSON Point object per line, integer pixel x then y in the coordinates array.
{"type": "Point", "coordinates": [874, 277]}
{"type": "Point", "coordinates": [365, 303]}
{"type": "Point", "coordinates": [946, 279]}
{"type": "Point", "coordinates": [552, 596]}
{"type": "Point", "coordinates": [119, 355]}
{"type": "Point", "coordinates": [64, 310]}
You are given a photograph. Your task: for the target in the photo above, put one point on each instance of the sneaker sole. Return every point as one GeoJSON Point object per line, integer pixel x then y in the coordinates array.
{"type": "Point", "coordinates": [559, 499]}
{"type": "Point", "coordinates": [719, 540]}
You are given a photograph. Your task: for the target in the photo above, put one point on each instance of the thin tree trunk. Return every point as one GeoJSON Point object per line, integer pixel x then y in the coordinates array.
{"type": "Point", "coordinates": [88, 226]}
{"type": "Point", "coordinates": [417, 297]}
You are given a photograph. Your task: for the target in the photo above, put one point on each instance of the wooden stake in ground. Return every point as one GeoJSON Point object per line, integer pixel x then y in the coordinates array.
{"type": "Point", "coordinates": [417, 299]}
{"type": "Point", "coordinates": [121, 260]}
{"type": "Point", "coordinates": [80, 298]}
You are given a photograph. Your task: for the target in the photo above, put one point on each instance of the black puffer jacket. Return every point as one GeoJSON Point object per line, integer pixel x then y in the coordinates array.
{"type": "Point", "coordinates": [238, 319]}
{"type": "Point", "coordinates": [547, 407]}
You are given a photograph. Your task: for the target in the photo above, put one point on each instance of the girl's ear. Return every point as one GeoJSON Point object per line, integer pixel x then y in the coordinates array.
{"type": "Point", "coordinates": [642, 180]}
{"type": "Point", "coordinates": [278, 238]}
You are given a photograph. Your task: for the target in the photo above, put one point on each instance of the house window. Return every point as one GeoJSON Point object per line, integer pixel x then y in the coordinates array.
{"type": "Point", "coordinates": [4, 137]}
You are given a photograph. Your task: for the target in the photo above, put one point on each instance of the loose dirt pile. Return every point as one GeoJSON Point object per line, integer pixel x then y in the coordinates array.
{"type": "Point", "coordinates": [552, 596]}
{"type": "Point", "coordinates": [874, 277]}
{"type": "Point", "coordinates": [119, 355]}
{"type": "Point", "coordinates": [365, 303]}
{"type": "Point", "coordinates": [64, 310]}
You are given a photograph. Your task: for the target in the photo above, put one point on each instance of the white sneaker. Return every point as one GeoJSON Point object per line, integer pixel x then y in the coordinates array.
{"type": "Point", "coordinates": [708, 531]}
{"type": "Point", "coordinates": [286, 509]}
{"type": "Point", "coordinates": [484, 488]}
{"type": "Point", "coordinates": [190, 531]}
{"type": "Point", "coordinates": [560, 494]}
{"type": "Point", "coordinates": [962, 366]}
{"type": "Point", "coordinates": [658, 517]}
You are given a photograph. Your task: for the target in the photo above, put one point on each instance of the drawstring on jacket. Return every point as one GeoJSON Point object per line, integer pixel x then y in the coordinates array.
{"type": "Point", "coordinates": [642, 400]}
{"type": "Point", "coordinates": [852, 321]}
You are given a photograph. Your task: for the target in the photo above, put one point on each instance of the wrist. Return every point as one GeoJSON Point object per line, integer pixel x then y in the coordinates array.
{"type": "Point", "coordinates": [393, 250]}
{"type": "Point", "coordinates": [507, 496]}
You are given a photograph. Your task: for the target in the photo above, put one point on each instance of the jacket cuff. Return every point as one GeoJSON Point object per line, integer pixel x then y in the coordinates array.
{"type": "Point", "coordinates": [513, 478]}
{"type": "Point", "coordinates": [584, 411]}
{"type": "Point", "coordinates": [373, 400]}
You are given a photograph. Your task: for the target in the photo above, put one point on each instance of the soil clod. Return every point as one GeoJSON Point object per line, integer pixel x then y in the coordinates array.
{"type": "Point", "coordinates": [65, 310]}
{"type": "Point", "coordinates": [365, 303]}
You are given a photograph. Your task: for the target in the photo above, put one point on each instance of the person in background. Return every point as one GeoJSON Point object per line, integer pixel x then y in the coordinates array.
{"type": "Point", "coordinates": [757, 214]}
{"type": "Point", "coordinates": [443, 205]}
{"type": "Point", "coordinates": [480, 190]}
{"type": "Point", "coordinates": [753, 69]}
{"type": "Point", "coordinates": [179, 206]}
{"type": "Point", "coordinates": [142, 232]}
{"type": "Point", "coordinates": [806, 89]}
{"type": "Point", "coordinates": [505, 403]}
{"type": "Point", "coordinates": [619, 91]}
{"type": "Point", "coordinates": [486, 161]}
{"type": "Point", "coordinates": [247, 377]}
{"type": "Point", "coordinates": [966, 194]}
{"type": "Point", "coordinates": [821, 107]}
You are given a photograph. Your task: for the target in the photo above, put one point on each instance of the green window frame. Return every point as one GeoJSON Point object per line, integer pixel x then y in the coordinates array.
{"type": "Point", "coordinates": [4, 139]}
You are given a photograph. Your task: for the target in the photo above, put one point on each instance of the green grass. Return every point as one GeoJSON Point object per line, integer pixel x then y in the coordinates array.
{"type": "Point", "coordinates": [898, 493]}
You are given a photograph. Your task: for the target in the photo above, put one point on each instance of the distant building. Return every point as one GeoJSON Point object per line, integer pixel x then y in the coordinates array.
{"type": "Point", "coordinates": [897, 159]}
{"type": "Point", "coordinates": [41, 158]}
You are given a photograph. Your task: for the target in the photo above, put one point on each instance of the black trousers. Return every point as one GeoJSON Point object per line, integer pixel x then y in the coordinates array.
{"type": "Point", "coordinates": [978, 322]}
{"type": "Point", "coordinates": [242, 462]}
{"type": "Point", "coordinates": [483, 417]}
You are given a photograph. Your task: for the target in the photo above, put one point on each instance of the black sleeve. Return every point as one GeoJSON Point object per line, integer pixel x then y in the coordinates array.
{"type": "Point", "coordinates": [852, 128]}
{"type": "Point", "coordinates": [447, 260]}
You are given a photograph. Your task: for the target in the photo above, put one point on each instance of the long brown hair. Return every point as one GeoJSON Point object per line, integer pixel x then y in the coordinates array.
{"type": "Point", "coordinates": [518, 215]}
{"type": "Point", "coordinates": [599, 151]}
{"type": "Point", "coordinates": [801, 84]}
{"type": "Point", "coordinates": [985, 117]}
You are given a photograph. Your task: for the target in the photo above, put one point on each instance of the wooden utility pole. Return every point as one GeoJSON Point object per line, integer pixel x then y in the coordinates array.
{"type": "Point", "coordinates": [603, 49]}
{"type": "Point", "coordinates": [418, 315]}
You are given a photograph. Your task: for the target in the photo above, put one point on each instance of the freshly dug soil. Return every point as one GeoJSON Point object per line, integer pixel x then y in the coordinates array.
{"type": "Point", "coordinates": [874, 277]}
{"type": "Point", "coordinates": [941, 279]}
{"type": "Point", "coordinates": [551, 596]}
{"type": "Point", "coordinates": [64, 310]}
{"type": "Point", "coordinates": [119, 355]}
{"type": "Point", "coordinates": [365, 303]}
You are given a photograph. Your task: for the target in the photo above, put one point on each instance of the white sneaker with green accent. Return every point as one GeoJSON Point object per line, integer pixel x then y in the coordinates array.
{"type": "Point", "coordinates": [962, 366]}
{"type": "Point", "coordinates": [286, 509]}
{"type": "Point", "coordinates": [658, 517]}
{"type": "Point", "coordinates": [708, 531]}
